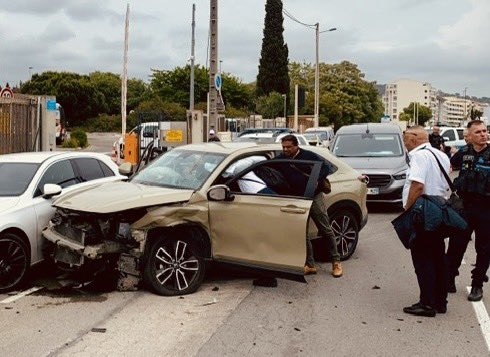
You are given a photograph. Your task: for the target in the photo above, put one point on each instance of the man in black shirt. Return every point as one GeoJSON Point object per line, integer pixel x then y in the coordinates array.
{"type": "Point", "coordinates": [318, 211]}
{"type": "Point", "coordinates": [473, 185]}
{"type": "Point", "coordinates": [436, 140]}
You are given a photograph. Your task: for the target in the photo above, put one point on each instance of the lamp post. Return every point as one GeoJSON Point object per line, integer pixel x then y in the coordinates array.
{"type": "Point", "coordinates": [317, 70]}
{"type": "Point", "coordinates": [30, 72]}
{"type": "Point", "coordinates": [285, 96]}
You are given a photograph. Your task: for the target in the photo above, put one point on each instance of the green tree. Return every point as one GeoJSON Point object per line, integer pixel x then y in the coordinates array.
{"type": "Point", "coordinates": [345, 96]}
{"type": "Point", "coordinates": [273, 66]}
{"type": "Point", "coordinates": [475, 114]}
{"type": "Point", "coordinates": [270, 105]}
{"type": "Point", "coordinates": [420, 115]}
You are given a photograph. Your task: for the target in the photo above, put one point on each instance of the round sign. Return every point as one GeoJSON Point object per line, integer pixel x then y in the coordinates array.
{"type": "Point", "coordinates": [218, 81]}
{"type": "Point", "coordinates": [6, 93]}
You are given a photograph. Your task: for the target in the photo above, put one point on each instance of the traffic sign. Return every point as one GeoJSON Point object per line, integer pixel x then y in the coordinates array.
{"type": "Point", "coordinates": [6, 93]}
{"type": "Point", "coordinates": [218, 81]}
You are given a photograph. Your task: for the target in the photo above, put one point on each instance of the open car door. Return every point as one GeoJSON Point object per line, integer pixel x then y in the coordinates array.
{"type": "Point", "coordinates": [264, 229]}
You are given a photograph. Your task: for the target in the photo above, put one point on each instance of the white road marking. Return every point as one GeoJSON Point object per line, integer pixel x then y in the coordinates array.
{"type": "Point", "coordinates": [20, 295]}
{"type": "Point", "coordinates": [483, 319]}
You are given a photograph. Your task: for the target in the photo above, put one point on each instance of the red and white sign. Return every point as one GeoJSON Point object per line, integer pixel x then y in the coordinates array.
{"type": "Point", "coordinates": [6, 93]}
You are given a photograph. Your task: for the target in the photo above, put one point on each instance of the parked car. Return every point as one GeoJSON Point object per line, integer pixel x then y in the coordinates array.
{"type": "Point", "coordinates": [320, 136]}
{"type": "Point", "coordinates": [186, 207]}
{"type": "Point", "coordinates": [26, 186]}
{"type": "Point", "coordinates": [453, 138]}
{"type": "Point", "coordinates": [273, 131]}
{"type": "Point", "coordinates": [377, 151]}
{"type": "Point", "coordinates": [269, 138]}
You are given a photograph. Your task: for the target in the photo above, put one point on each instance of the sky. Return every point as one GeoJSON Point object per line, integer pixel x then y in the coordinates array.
{"type": "Point", "coordinates": [443, 42]}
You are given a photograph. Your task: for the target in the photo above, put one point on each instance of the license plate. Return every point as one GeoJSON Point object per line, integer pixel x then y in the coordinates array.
{"type": "Point", "coordinates": [373, 191]}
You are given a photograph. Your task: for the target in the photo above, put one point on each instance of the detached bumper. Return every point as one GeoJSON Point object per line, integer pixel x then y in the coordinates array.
{"type": "Point", "coordinates": [74, 253]}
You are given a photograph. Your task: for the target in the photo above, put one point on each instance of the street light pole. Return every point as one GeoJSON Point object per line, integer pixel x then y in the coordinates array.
{"type": "Point", "coordinates": [285, 118]}
{"type": "Point", "coordinates": [317, 72]}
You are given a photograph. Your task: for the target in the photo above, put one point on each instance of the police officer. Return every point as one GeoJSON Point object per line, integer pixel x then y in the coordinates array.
{"type": "Point", "coordinates": [473, 185]}
{"type": "Point", "coordinates": [436, 140]}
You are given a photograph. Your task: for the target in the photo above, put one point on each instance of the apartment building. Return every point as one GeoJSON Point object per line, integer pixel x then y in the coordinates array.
{"type": "Point", "coordinates": [456, 110]}
{"type": "Point", "coordinates": [399, 94]}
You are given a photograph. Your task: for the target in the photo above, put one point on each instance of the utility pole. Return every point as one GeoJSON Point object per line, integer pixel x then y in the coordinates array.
{"type": "Point", "coordinates": [213, 65]}
{"type": "Point", "coordinates": [464, 113]}
{"type": "Point", "coordinates": [124, 81]}
{"type": "Point", "coordinates": [317, 74]}
{"type": "Point", "coordinates": [296, 107]}
{"type": "Point", "coordinates": [317, 71]}
{"type": "Point", "coordinates": [193, 44]}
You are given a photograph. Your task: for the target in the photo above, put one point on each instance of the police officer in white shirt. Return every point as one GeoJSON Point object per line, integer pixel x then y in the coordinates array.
{"type": "Point", "coordinates": [425, 177]}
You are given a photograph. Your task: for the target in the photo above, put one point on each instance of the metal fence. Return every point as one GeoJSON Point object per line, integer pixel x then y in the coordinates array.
{"type": "Point", "coordinates": [19, 127]}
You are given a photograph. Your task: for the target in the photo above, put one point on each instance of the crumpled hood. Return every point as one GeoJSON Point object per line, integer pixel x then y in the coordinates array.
{"type": "Point", "coordinates": [7, 203]}
{"type": "Point", "coordinates": [120, 196]}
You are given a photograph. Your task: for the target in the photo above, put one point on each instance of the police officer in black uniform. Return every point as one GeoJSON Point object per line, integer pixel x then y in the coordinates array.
{"type": "Point", "coordinates": [473, 185]}
{"type": "Point", "coordinates": [436, 140]}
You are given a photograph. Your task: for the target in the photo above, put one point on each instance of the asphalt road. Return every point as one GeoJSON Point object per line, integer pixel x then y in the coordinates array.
{"type": "Point", "coordinates": [358, 314]}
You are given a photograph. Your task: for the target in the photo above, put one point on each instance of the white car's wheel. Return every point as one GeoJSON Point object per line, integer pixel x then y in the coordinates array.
{"type": "Point", "coordinates": [14, 261]}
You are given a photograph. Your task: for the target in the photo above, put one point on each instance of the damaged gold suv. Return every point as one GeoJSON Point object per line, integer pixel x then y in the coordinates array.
{"type": "Point", "coordinates": [226, 202]}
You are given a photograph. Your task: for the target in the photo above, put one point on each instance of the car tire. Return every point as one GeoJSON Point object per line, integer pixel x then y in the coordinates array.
{"type": "Point", "coordinates": [15, 260]}
{"type": "Point", "coordinates": [174, 266]}
{"type": "Point", "coordinates": [346, 232]}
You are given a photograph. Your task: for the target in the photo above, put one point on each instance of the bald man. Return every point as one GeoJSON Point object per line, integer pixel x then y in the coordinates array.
{"type": "Point", "coordinates": [425, 177]}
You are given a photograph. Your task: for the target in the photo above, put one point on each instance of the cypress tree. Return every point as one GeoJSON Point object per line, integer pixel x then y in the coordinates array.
{"type": "Point", "coordinates": [273, 67]}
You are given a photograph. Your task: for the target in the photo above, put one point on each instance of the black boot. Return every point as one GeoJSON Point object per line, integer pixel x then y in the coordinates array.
{"type": "Point", "coordinates": [476, 294]}
{"type": "Point", "coordinates": [451, 284]}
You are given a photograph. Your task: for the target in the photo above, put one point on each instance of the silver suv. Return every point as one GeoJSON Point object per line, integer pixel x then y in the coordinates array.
{"type": "Point", "coordinates": [377, 151]}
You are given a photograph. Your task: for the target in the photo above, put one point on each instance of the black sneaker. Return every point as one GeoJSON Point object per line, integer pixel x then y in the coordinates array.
{"type": "Point", "coordinates": [476, 294]}
{"type": "Point", "coordinates": [420, 310]}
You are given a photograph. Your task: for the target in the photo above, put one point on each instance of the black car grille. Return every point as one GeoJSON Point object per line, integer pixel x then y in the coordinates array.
{"type": "Point", "coordinates": [378, 180]}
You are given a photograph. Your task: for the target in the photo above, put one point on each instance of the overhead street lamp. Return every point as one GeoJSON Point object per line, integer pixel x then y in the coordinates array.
{"type": "Point", "coordinates": [317, 70]}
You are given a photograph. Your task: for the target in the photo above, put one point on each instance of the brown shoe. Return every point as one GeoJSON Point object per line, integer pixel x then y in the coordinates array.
{"type": "Point", "coordinates": [309, 269]}
{"type": "Point", "coordinates": [336, 269]}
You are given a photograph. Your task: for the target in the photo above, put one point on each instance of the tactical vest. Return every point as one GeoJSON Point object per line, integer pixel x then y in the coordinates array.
{"type": "Point", "coordinates": [474, 178]}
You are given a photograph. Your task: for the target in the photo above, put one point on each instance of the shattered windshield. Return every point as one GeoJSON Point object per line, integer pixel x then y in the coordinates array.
{"type": "Point", "coordinates": [180, 169]}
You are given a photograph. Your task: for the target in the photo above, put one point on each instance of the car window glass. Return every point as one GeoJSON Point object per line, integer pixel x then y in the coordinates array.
{"type": "Point", "coordinates": [367, 145]}
{"type": "Point", "coordinates": [89, 169]}
{"type": "Point", "coordinates": [460, 134]}
{"type": "Point", "coordinates": [15, 177]}
{"type": "Point", "coordinates": [107, 171]}
{"type": "Point", "coordinates": [273, 178]}
{"type": "Point", "coordinates": [180, 169]}
{"type": "Point", "coordinates": [60, 173]}
{"type": "Point", "coordinates": [449, 134]}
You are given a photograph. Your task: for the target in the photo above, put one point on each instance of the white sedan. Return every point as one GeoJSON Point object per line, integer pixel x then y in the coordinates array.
{"type": "Point", "coordinates": [28, 181]}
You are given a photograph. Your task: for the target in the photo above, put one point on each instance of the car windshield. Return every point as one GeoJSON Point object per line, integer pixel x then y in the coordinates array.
{"type": "Point", "coordinates": [367, 145]}
{"type": "Point", "coordinates": [15, 177]}
{"type": "Point", "coordinates": [321, 134]}
{"type": "Point", "coordinates": [179, 169]}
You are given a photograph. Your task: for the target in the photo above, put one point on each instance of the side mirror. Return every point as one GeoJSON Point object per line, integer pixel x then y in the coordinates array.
{"type": "Point", "coordinates": [126, 169]}
{"type": "Point", "coordinates": [50, 190]}
{"type": "Point", "coordinates": [220, 193]}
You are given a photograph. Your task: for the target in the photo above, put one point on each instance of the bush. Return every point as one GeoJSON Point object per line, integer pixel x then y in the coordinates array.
{"type": "Point", "coordinates": [80, 136]}
{"type": "Point", "coordinates": [103, 123]}
{"type": "Point", "coordinates": [71, 143]}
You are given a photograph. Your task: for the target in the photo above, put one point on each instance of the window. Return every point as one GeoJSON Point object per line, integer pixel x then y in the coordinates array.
{"type": "Point", "coordinates": [15, 177]}
{"type": "Point", "coordinates": [89, 169]}
{"type": "Point", "coordinates": [60, 173]}
{"type": "Point", "coordinates": [460, 134]}
{"type": "Point", "coordinates": [107, 171]}
{"type": "Point", "coordinates": [449, 135]}
{"type": "Point", "coordinates": [367, 145]}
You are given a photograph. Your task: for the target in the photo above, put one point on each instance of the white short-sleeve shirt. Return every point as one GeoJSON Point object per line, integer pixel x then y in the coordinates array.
{"type": "Point", "coordinates": [423, 168]}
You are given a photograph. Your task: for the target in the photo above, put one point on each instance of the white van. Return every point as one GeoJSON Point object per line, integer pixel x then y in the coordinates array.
{"type": "Point", "coordinates": [320, 136]}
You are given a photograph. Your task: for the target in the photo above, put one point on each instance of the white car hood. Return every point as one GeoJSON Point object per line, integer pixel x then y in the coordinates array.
{"type": "Point", "coordinates": [119, 196]}
{"type": "Point", "coordinates": [7, 203]}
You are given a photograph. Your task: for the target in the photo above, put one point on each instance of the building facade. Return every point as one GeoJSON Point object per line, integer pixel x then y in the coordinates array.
{"type": "Point", "coordinates": [456, 111]}
{"type": "Point", "coordinates": [399, 94]}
